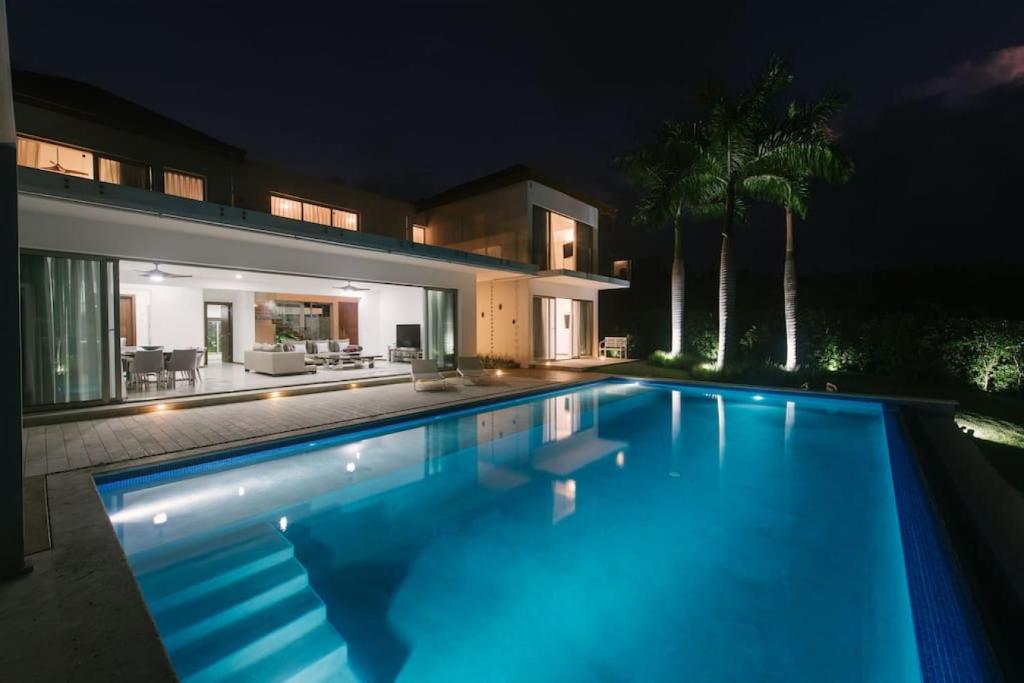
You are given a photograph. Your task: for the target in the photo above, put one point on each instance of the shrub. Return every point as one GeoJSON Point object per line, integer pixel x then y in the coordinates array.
{"type": "Point", "coordinates": [498, 362]}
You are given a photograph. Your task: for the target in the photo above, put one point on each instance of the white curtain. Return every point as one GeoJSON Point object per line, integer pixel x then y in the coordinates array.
{"type": "Point", "coordinates": [110, 171]}
{"type": "Point", "coordinates": [315, 213]}
{"type": "Point", "coordinates": [28, 152]}
{"type": "Point", "coordinates": [287, 208]}
{"type": "Point", "coordinates": [346, 220]}
{"type": "Point", "coordinates": [184, 185]}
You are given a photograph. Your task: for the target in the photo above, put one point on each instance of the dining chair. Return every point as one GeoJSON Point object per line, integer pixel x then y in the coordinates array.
{"type": "Point", "coordinates": [182, 361]}
{"type": "Point", "coordinates": [199, 363]}
{"type": "Point", "coordinates": [146, 363]}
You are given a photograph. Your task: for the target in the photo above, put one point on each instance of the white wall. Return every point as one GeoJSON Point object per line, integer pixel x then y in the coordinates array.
{"type": "Point", "coordinates": [381, 309]}
{"type": "Point", "coordinates": [243, 318]}
{"type": "Point", "coordinates": [168, 316]}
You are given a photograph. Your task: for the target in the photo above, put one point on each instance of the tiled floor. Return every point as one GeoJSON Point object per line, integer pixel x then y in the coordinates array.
{"type": "Point", "coordinates": [74, 445]}
{"type": "Point", "coordinates": [227, 377]}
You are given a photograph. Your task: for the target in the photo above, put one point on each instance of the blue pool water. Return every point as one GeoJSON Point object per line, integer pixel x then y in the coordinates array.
{"type": "Point", "coordinates": [619, 531]}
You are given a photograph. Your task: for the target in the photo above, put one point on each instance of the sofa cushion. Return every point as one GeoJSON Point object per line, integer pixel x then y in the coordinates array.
{"type": "Point", "coordinates": [323, 347]}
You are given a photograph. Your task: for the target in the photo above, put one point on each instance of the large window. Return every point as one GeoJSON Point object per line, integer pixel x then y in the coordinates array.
{"type": "Point", "coordinates": [301, 210]}
{"type": "Point", "coordinates": [441, 327]}
{"type": "Point", "coordinates": [56, 158]}
{"type": "Point", "coordinates": [419, 234]}
{"type": "Point", "coordinates": [49, 156]}
{"type": "Point", "coordinates": [66, 318]}
{"type": "Point", "coordinates": [561, 243]}
{"type": "Point", "coordinates": [184, 185]}
{"type": "Point", "coordinates": [123, 173]}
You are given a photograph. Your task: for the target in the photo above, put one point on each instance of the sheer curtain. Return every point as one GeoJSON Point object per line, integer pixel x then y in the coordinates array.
{"type": "Point", "coordinates": [314, 213]}
{"type": "Point", "coordinates": [441, 345]}
{"type": "Point", "coordinates": [184, 185]}
{"type": "Point", "coordinates": [62, 329]}
{"type": "Point", "coordinates": [543, 328]}
{"type": "Point", "coordinates": [583, 313]}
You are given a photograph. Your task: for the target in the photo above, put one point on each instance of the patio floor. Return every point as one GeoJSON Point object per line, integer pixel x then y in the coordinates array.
{"type": "Point", "coordinates": [231, 377]}
{"type": "Point", "coordinates": [68, 446]}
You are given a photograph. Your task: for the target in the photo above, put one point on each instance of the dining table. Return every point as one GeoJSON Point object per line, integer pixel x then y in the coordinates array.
{"type": "Point", "coordinates": [128, 354]}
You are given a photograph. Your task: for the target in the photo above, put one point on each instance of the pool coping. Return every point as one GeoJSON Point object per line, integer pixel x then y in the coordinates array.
{"type": "Point", "coordinates": [87, 559]}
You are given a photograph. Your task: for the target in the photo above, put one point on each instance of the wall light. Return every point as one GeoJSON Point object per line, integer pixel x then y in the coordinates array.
{"type": "Point", "coordinates": [282, 524]}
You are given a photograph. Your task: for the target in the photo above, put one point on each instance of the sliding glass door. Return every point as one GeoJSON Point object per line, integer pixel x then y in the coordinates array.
{"type": "Point", "coordinates": [441, 323]}
{"type": "Point", "coordinates": [562, 328]}
{"type": "Point", "coordinates": [68, 332]}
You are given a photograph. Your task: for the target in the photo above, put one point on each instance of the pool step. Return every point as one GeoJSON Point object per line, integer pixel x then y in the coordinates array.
{"type": "Point", "coordinates": [240, 607]}
{"type": "Point", "coordinates": [205, 572]}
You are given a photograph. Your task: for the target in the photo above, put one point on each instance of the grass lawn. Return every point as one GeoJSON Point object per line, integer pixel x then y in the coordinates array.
{"type": "Point", "coordinates": [997, 419]}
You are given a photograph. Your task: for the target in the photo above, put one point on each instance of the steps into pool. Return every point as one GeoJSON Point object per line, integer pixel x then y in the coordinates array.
{"type": "Point", "coordinates": [240, 607]}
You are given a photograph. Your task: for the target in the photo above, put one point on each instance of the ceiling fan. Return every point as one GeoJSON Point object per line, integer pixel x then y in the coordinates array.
{"type": "Point", "coordinates": [56, 167]}
{"type": "Point", "coordinates": [157, 275]}
{"type": "Point", "coordinates": [349, 287]}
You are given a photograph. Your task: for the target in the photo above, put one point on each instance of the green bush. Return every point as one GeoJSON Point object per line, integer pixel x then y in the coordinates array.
{"type": "Point", "coordinates": [498, 362]}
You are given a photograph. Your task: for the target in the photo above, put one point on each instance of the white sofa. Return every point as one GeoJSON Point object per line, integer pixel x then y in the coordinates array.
{"type": "Point", "coordinates": [277, 362]}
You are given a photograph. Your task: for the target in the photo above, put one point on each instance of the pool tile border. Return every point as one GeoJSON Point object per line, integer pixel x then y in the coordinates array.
{"type": "Point", "coordinates": [951, 641]}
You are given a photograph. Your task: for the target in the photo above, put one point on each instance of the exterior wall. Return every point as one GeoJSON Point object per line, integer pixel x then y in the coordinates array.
{"type": "Point", "coordinates": [495, 223]}
{"type": "Point", "coordinates": [377, 214]}
{"type": "Point", "coordinates": [504, 318]}
{"type": "Point", "coordinates": [60, 226]}
{"type": "Point", "coordinates": [559, 202]}
{"type": "Point", "coordinates": [218, 169]}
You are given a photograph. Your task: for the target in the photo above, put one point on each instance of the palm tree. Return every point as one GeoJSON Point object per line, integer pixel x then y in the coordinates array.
{"type": "Point", "coordinates": [734, 161]}
{"type": "Point", "coordinates": [801, 148]}
{"type": "Point", "coordinates": [662, 173]}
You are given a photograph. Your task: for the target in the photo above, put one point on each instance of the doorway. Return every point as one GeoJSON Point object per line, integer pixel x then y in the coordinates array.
{"type": "Point", "coordinates": [218, 333]}
{"type": "Point", "coordinates": [562, 328]}
{"type": "Point", "coordinates": [127, 324]}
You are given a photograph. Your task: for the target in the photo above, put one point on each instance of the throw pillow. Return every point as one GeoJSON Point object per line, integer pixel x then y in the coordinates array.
{"type": "Point", "coordinates": [323, 347]}
{"type": "Point", "coordinates": [334, 346]}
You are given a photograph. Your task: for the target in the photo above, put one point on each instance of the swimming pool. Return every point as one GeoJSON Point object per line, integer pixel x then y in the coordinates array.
{"type": "Point", "coordinates": [615, 531]}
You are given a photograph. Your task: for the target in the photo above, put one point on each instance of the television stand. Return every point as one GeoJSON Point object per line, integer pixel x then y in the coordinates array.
{"type": "Point", "coordinates": [404, 354]}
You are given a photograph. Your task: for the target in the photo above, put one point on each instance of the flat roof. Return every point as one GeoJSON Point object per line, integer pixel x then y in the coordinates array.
{"type": "Point", "coordinates": [504, 178]}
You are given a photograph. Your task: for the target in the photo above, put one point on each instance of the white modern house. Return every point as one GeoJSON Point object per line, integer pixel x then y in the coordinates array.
{"type": "Point", "coordinates": [137, 231]}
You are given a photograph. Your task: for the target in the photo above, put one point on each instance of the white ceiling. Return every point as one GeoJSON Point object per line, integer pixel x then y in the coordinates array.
{"type": "Point", "coordinates": [217, 278]}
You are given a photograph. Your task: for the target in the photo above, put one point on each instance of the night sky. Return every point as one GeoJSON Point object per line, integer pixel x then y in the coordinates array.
{"type": "Point", "coordinates": [409, 100]}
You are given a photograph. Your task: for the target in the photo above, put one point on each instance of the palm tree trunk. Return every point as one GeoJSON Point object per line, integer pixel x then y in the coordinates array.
{"type": "Point", "coordinates": [789, 294]}
{"type": "Point", "coordinates": [678, 292]}
{"type": "Point", "coordinates": [726, 288]}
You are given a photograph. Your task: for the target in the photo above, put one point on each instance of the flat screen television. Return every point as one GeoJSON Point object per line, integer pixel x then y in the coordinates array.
{"type": "Point", "coordinates": [407, 336]}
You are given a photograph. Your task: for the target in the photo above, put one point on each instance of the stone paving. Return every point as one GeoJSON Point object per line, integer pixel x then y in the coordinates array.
{"type": "Point", "coordinates": [67, 446]}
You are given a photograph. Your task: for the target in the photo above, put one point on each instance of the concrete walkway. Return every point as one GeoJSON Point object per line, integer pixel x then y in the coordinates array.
{"type": "Point", "coordinates": [68, 446]}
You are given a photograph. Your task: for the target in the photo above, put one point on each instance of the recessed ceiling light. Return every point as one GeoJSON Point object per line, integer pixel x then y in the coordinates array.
{"type": "Point", "coordinates": [238, 276]}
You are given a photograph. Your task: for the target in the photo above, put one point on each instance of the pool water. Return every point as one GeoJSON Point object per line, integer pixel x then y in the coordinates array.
{"type": "Point", "coordinates": [619, 531]}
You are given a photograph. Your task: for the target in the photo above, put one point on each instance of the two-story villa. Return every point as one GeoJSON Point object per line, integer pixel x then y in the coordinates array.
{"type": "Point", "coordinates": [137, 230]}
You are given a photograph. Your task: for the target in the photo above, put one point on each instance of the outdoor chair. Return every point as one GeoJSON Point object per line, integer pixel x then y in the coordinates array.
{"type": "Point", "coordinates": [612, 347]}
{"type": "Point", "coordinates": [425, 373]}
{"type": "Point", "coordinates": [471, 369]}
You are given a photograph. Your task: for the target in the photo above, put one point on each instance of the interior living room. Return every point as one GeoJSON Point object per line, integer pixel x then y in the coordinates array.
{"type": "Point", "coordinates": [187, 330]}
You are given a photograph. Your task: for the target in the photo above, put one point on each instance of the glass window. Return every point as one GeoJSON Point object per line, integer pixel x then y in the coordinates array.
{"type": "Point", "coordinates": [184, 185]}
{"type": "Point", "coordinates": [563, 242]}
{"type": "Point", "coordinates": [63, 336]}
{"type": "Point", "coordinates": [287, 208]}
{"type": "Point", "coordinates": [312, 212]}
{"type": "Point", "coordinates": [419, 234]}
{"type": "Point", "coordinates": [622, 269]}
{"type": "Point", "coordinates": [123, 173]}
{"type": "Point", "coordinates": [346, 220]}
{"type": "Point", "coordinates": [441, 344]}
{"type": "Point", "coordinates": [48, 156]}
